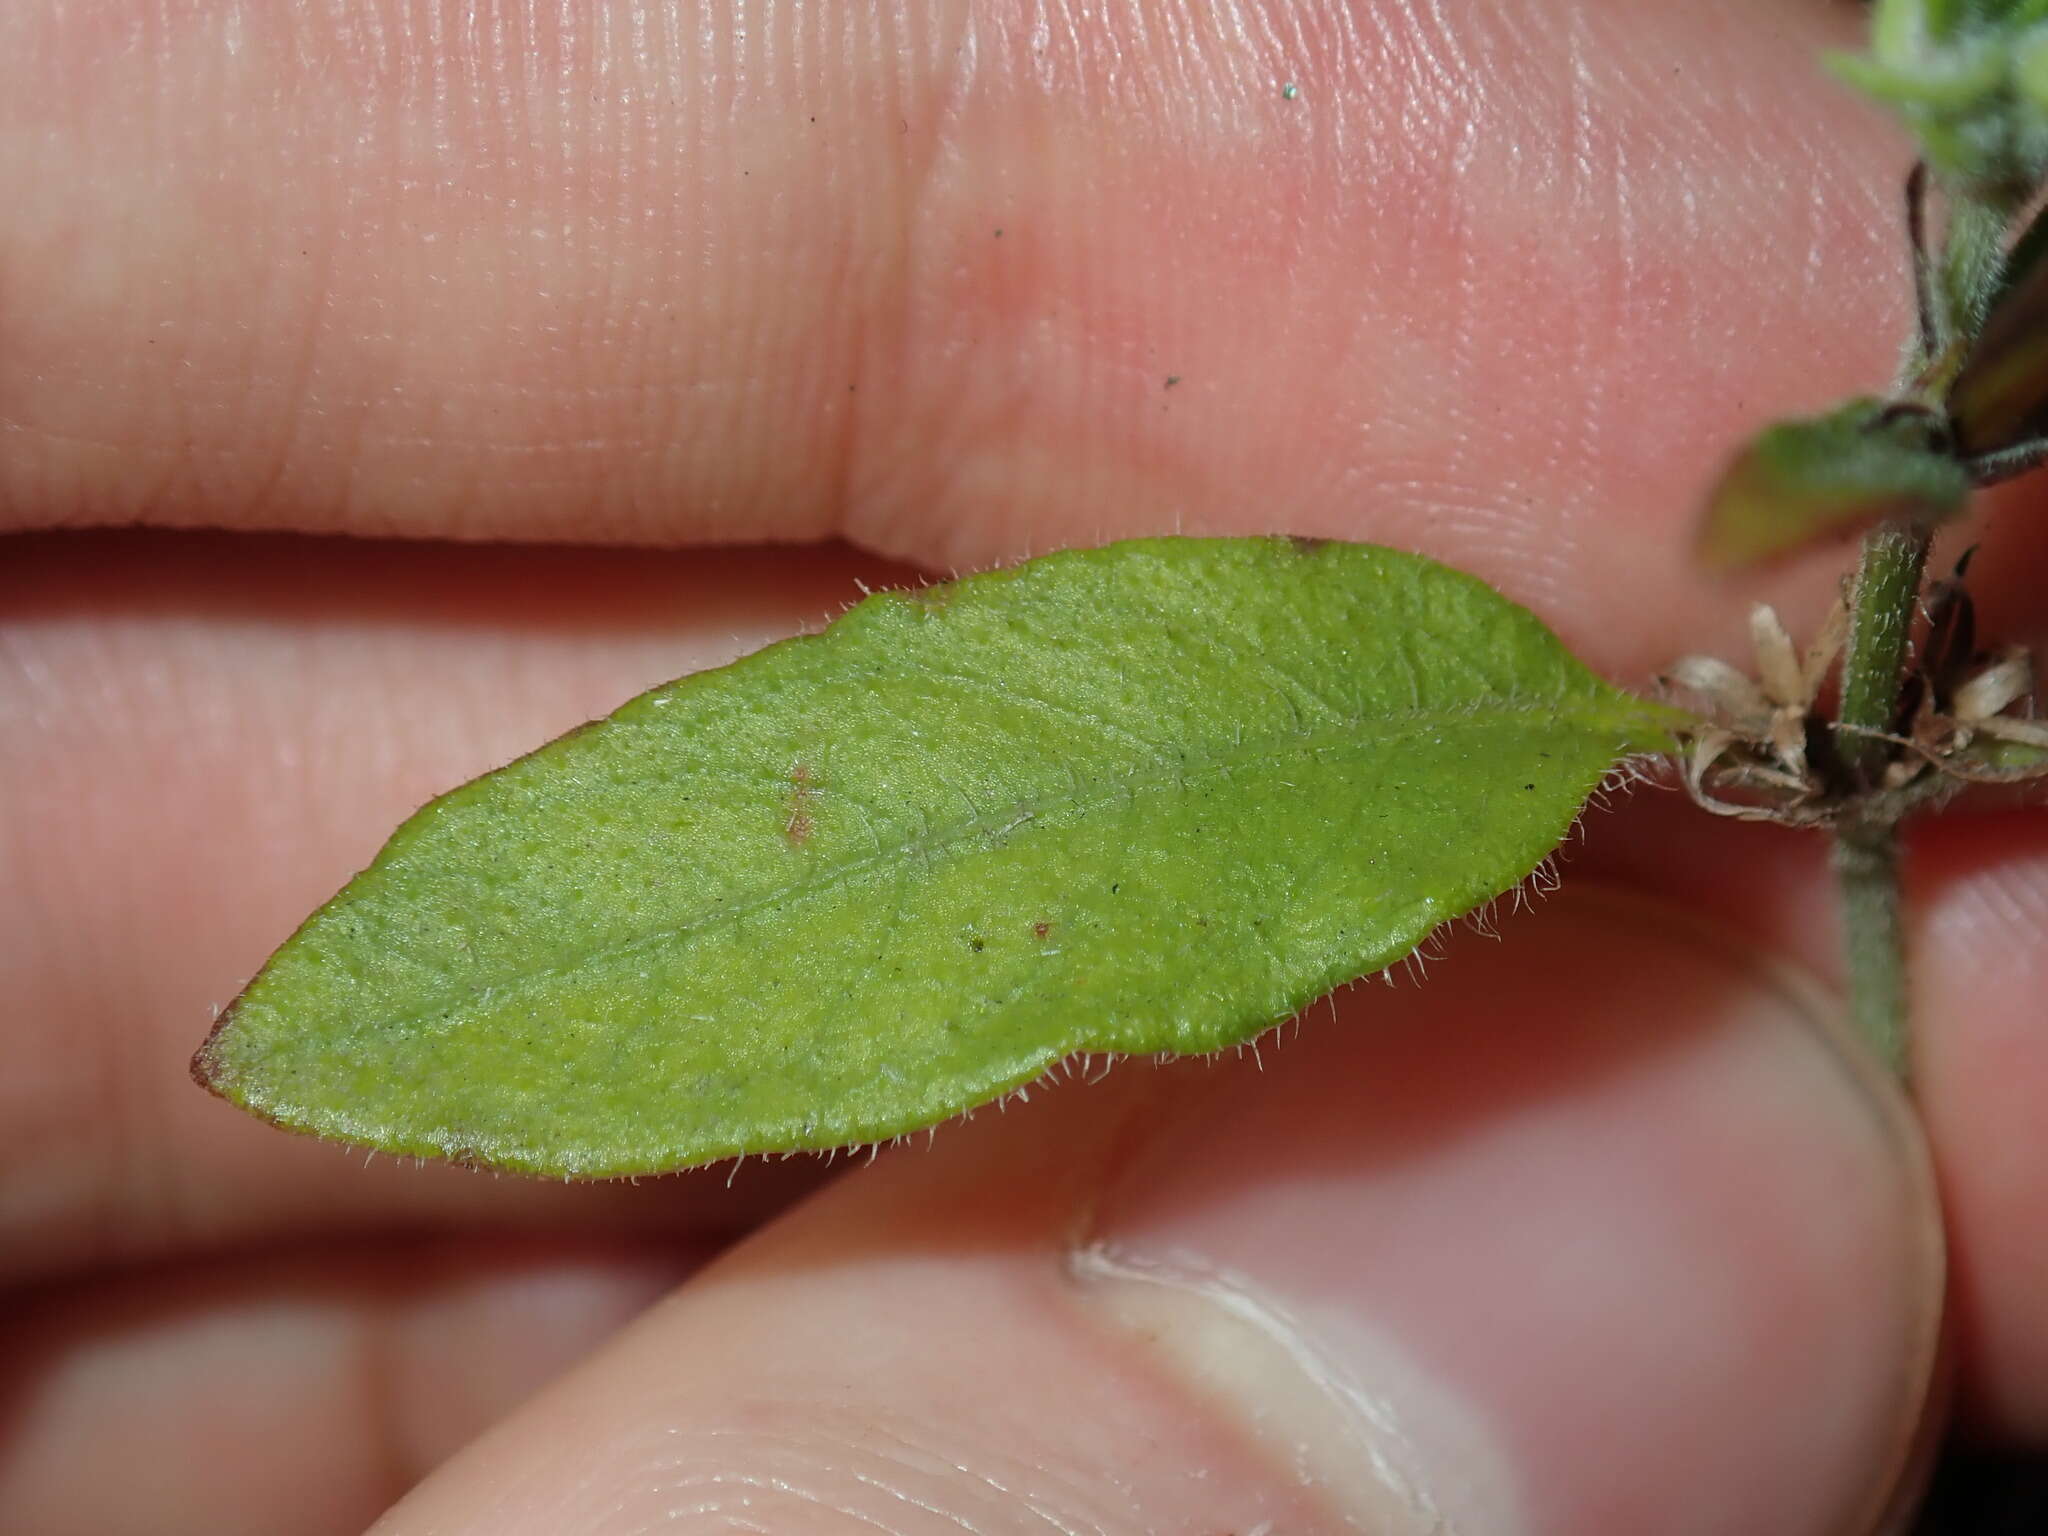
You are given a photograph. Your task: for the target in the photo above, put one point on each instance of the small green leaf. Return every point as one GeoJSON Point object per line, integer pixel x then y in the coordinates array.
{"type": "Point", "coordinates": [1151, 798]}
{"type": "Point", "coordinates": [2000, 395]}
{"type": "Point", "coordinates": [1801, 481]}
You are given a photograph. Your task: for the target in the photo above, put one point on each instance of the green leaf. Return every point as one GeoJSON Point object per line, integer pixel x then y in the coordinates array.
{"type": "Point", "coordinates": [1151, 798]}
{"type": "Point", "coordinates": [1801, 481]}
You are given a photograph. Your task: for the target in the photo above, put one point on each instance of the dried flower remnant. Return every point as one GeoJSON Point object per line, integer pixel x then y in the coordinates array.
{"type": "Point", "coordinates": [1759, 733]}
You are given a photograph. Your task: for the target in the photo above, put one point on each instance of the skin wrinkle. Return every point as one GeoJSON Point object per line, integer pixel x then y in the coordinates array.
{"type": "Point", "coordinates": [1042, 1469]}
{"type": "Point", "coordinates": [2005, 907]}
{"type": "Point", "coordinates": [727, 1505]}
{"type": "Point", "coordinates": [294, 394]}
{"type": "Point", "coordinates": [867, 273]}
{"type": "Point", "coordinates": [971, 1485]}
{"type": "Point", "coordinates": [1447, 88]}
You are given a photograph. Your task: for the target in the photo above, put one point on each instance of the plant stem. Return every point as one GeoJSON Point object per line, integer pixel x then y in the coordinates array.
{"type": "Point", "coordinates": [1867, 867]}
{"type": "Point", "coordinates": [1880, 623]}
{"type": "Point", "coordinates": [1866, 847]}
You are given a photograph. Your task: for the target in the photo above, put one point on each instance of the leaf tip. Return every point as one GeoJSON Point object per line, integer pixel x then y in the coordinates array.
{"type": "Point", "coordinates": [208, 1067]}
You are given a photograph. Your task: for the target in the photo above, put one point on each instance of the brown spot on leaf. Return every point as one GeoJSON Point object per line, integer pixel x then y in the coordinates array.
{"type": "Point", "coordinates": [460, 1146]}
{"type": "Point", "coordinates": [802, 789]}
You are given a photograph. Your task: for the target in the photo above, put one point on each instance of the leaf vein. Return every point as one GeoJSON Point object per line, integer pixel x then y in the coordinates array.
{"type": "Point", "coordinates": [1355, 733]}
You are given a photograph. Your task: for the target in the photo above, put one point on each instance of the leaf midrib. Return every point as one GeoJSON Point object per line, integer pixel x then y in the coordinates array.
{"type": "Point", "coordinates": [1357, 732]}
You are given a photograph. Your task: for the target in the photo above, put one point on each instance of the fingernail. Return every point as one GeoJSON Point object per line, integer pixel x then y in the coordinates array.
{"type": "Point", "coordinates": [1328, 1396]}
{"type": "Point", "coordinates": [1595, 1230]}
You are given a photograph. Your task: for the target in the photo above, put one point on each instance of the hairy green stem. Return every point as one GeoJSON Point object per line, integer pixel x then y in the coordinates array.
{"type": "Point", "coordinates": [1867, 868]}
{"type": "Point", "coordinates": [1880, 624]}
{"type": "Point", "coordinates": [1866, 848]}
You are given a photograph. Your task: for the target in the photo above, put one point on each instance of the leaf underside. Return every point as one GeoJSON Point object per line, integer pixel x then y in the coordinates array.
{"type": "Point", "coordinates": [1150, 798]}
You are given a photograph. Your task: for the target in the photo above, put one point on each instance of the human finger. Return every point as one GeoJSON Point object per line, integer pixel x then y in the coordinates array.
{"type": "Point", "coordinates": [292, 1391]}
{"type": "Point", "coordinates": [1502, 285]}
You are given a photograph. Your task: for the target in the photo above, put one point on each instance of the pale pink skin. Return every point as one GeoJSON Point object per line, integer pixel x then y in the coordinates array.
{"type": "Point", "coordinates": [1501, 284]}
